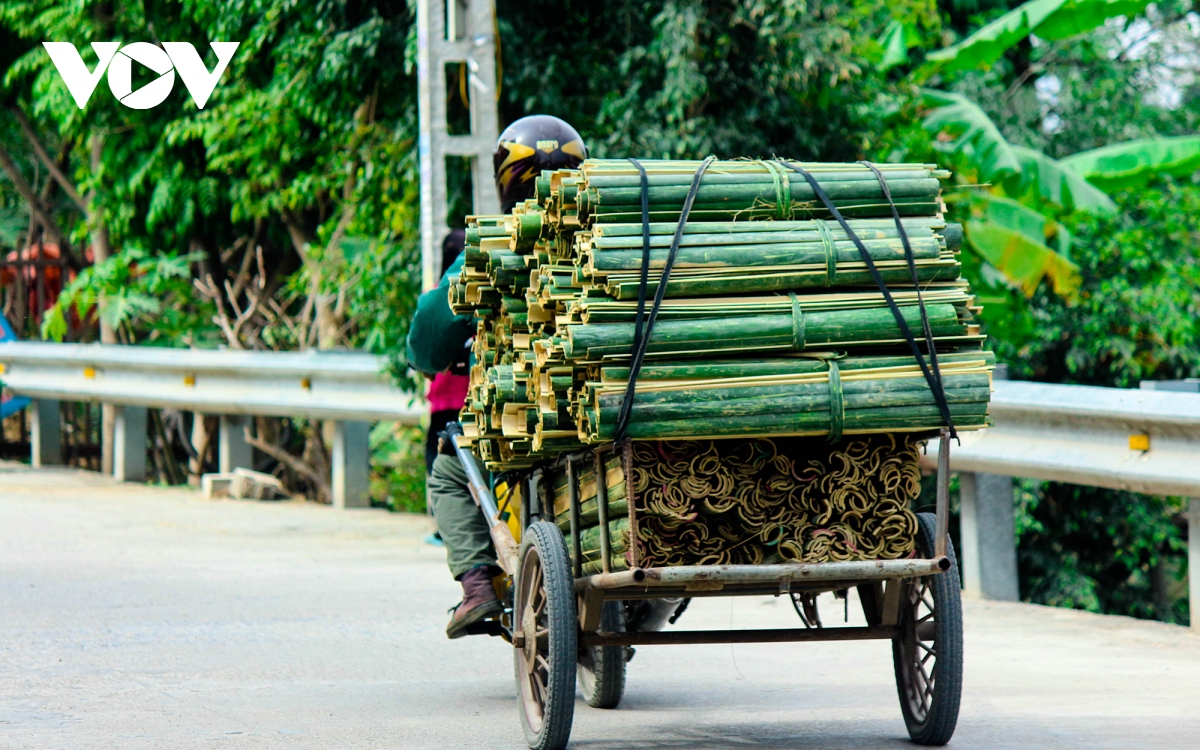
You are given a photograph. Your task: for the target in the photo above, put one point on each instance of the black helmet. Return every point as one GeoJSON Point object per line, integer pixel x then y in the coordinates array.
{"type": "Point", "coordinates": [528, 146]}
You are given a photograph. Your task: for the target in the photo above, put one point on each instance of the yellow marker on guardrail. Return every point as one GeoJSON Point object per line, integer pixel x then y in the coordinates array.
{"type": "Point", "coordinates": [1139, 442]}
{"type": "Point", "coordinates": [89, 372]}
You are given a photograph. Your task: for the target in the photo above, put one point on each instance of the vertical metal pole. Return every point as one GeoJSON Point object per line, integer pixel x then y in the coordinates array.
{"type": "Point", "coordinates": [351, 465]}
{"type": "Point", "coordinates": [988, 553]}
{"type": "Point", "coordinates": [1194, 561]}
{"type": "Point", "coordinates": [602, 513]}
{"type": "Point", "coordinates": [573, 498]}
{"type": "Point", "coordinates": [535, 496]}
{"type": "Point", "coordinates": [631, 497]}
{"type": "Point", "coordinates": [474, 46]}
{"type": "Point", "coordinates": [233, 452]}
{"type": "Point", "coordinates": [431, 87]}
{"type": "Point", "coordinates": [45, 440]}
{"type": "Point", "coordinates": [527, 503]}
{"type": "Point", "coordinates": [943, 496]}
{"type": "Point", "coordinates": [129, 443]}
{"type": "Point", "coordinates": [970, 559]}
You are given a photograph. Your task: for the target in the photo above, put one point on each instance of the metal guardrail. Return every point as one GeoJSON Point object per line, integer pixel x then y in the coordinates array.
{"type": "Point", "coordinates": [317, 385]}
{"type": "Point", "coordinates": [1143, 440]}
{"type": "Point", "coordinates": [349, 388]}
{"type": "Point", "coordinates": [1139, 440]}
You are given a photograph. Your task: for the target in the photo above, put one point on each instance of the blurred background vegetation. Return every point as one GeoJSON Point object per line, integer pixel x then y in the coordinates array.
{"type": "Point", "coordinates": [284, 214]}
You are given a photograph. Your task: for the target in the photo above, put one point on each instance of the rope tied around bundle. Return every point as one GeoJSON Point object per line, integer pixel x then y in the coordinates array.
{"type": "Point", "coordinates": [837, 403]}
{"type": "Point", "coordinates": [930, 370]}
{"type": "Point", "coordinates": [642, 343]}
{"type": "Point", "coordinates": [830, 252]}
{"type": "Point", "coordinates": [783, 190]}
{"type": "Point", "coordinates": [797, 323]}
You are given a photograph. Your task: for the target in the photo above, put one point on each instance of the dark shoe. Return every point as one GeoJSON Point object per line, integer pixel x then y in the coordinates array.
{"type": "Point", "coordinates": [479, 602]}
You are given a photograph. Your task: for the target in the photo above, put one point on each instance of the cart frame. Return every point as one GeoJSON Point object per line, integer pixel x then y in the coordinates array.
{"type": "Point", "coordinates": [554, 592]}
{"type": "Point", "coordinates": [731, 580]}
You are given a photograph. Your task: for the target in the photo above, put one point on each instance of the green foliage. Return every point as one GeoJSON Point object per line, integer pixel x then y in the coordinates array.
{"type": "Point", "coordinates": [398, 467]}
{"type": "Point", "coordinates": [1048, 19]}
{"type": "Point", "coordinates": [964, 132]}
{"type": "Point", "coordinates": [307, 150]}
{"type": "Point", "coordinates": [1013, 239]}
{"type": "Point", "coordinates": [147, 298]}
{"type": "Point", "coordinates": [895, 41]}
{"type": "Point", "coordinates": [1134, 163]}
{"type": "Point", "coordinates": [690, 78]}
{"type": "Point", "coordinates": [1054, 185]}
{"type": "Point", "coordinates": [1138, 311]}
{"type": "Point", "coordinates": [1096, 550]}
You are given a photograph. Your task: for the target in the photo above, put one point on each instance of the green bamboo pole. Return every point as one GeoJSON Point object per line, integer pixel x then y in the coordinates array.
{"type": "Point", "coordinates": [759, 333]}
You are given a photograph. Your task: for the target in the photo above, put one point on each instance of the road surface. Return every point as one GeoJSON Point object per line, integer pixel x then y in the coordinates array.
{"type": "Point", "coordinates": [140, 617]}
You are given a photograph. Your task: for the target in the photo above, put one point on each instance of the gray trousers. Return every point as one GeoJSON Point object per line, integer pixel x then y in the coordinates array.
{"type": "Point", "coordinates": [459, 519]}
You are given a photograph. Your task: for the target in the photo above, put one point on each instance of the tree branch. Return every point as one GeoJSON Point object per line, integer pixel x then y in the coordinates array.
{"type": "Point", "coordinates": [40, 150]}
{"type": "Point", "coordinates": [296, 465]}
{"type": "Point", "coordinates": [36, 207]}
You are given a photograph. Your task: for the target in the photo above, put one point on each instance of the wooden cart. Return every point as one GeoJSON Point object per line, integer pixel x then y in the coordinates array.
{"type": "Point", "coordinates": [565, 625]}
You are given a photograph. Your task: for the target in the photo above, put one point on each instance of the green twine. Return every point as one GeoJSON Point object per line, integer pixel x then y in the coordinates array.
{"type": "Point", "coordinates": [783, 190]}
{"type": "Point", "coordinates": [830, 253]}
{"type": "Point", "coordinates": [797, 323]}
{"type": "Point", "coordinates": [837, 404]}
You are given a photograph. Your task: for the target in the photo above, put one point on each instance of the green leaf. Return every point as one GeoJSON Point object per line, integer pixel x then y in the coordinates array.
{"type": "Point", "coordinates": [895, 46]}
{"type": "Point", "coordinates": [1133, 163]}
{"type": "Point", "coordinates": [13, 224]}
{"type": "Point", "coordinates": [54, 324]}
{"type": "Point", "coordinates": [1013, 238]}
{"type": "Point", "coordinates": [352, 247]}
{"type": "Point", "coordinates": [1049, 19]}
{"type": "Point", "coordinates": [961, 128]}
{"type": "Point", "coordinates": [1053, 182]}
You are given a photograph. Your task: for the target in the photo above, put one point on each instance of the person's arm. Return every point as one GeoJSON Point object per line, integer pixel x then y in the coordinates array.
{"type": "Point", "coordinates": [436, 336]}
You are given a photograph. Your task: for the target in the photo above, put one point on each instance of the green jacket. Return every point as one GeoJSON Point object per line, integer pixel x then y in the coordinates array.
{"type": "Point", "coordinates": [436, 335]}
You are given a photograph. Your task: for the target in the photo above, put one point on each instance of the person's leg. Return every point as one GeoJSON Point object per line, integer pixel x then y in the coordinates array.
{"type": "Point", "coordinates": [437, 422]}
{"type": "Point", "coordinates": [469, 550]}
{"type": "Point", "coordinates": [459, 520]}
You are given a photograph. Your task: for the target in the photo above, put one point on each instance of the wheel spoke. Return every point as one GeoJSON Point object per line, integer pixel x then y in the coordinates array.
{"type": "Point", "coordinates": [539, 600]}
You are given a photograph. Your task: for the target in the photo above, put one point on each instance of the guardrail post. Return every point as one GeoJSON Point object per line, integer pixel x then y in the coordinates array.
{"type": "Point", "coordinates": [351, 465]}
{"type": "Point", "coordinates": [989, 548]}
{"type": "Point", "coordinates": [129, 444]}
{"type": "Point", "coordinates": [1194, 561]}
{"type": "Point", "coordinates": [233, 452]}
{"type": "Point", "coordinates": [45, 437]}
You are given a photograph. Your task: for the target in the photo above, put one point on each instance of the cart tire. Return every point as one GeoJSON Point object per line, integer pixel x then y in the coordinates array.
{"type": "Point", "coordinates": [544, 615]}
{"type": "Point", "coordinates": [602, 668]}
{"type": "Point", "coordinates": [929, 668]}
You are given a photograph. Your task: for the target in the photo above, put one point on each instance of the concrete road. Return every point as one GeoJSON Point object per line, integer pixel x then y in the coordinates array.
{"type": "Point", "coordinates": [134, 617]}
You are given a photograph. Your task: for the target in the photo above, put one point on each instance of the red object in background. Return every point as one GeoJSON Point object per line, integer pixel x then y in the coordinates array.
{"type": "Point", "coordinates": [447, 391]}
{"type": "Point", "coordinates": [45, 258]}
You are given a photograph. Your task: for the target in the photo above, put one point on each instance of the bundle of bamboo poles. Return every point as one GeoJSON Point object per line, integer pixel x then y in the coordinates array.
{"type": "Point", "coordinates": [719, 502]}
{"type": "Point", "coordinates": [770, 324]}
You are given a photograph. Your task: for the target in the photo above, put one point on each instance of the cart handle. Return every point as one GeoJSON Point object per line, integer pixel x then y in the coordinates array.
{"type": "Point", "coordinates": [481, 492]}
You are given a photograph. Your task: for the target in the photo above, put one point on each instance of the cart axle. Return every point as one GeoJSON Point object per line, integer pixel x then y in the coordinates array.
{"type": "Point", "coordinates": [774, 635]}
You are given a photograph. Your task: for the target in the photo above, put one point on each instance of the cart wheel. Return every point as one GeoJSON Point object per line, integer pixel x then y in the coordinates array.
{"type": "Point", "coordinates": [545, 629]}
{"type": "Point", "coordinates": [602, 668]}
{"type": "Point", "coordinates": [929, 655]}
